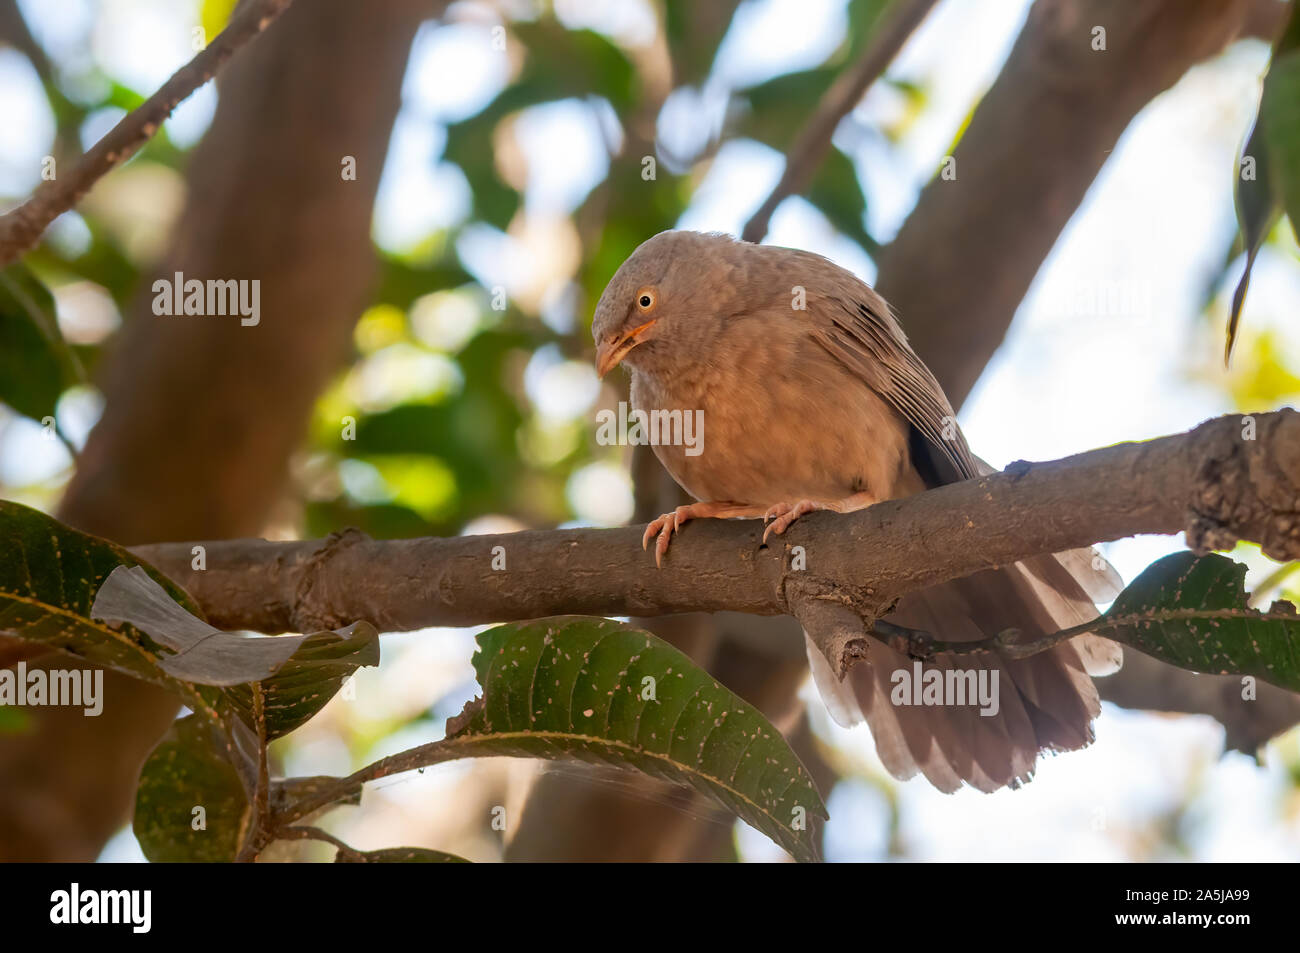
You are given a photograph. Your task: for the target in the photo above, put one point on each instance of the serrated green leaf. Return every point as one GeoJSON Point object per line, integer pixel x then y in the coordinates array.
{"type": "Point", "coordinates": [188, 771]}
{"type": "Point", "coordinates": [1192, 612]}
{"type": "Point", "coordinates": [399, 855]}
{"type": "Point", "coordinates": [36, 364]}
{"type": "Point", "coordinates": [598, 690]}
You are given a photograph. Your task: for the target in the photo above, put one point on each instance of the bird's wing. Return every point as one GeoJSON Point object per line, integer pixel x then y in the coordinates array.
{"type": "Point", "coordinates": [861, 332]}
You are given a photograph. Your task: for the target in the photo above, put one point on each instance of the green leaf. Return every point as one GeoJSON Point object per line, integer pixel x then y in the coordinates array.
{"type": "Point", "coordinates": [1274, 145]}
{"type": "Point", "coordinates": [576, 63]}
{"type": "Point", "coordinates": [1258, 207]}
{"type": "Point", "coordinates": [189, 770]}
{"type": "Point", "coordinates": [598, 690]}
{"type": "Point", "coordinates": [1192, 612]}
{"type": "Point", "coordinates": [310, 678]}
{"type": "Point", "coordinates": [399, 855]}
{"type": "Point", "coordinates": [49, 575]}
{"type": "Point", "coordinates": [837, 195]}
{"type": "Point", "coordinates": [693, 31]}
{"type": "Point", "coordinates": [1279, 111]}
{"type": "Point", "coordinates": [779, 107]}
{"type": "Point", "coordinates": [36, 364]}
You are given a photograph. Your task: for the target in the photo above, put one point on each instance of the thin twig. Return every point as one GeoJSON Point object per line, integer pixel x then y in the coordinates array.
{"type": "Point", "coordinates": [814, 140]}
{"type": "Point", "coordinates": [315, 833]}
{"type": "Point", "coordinates": [339, 789]}
{"type": "Point", "coordinates": [921, 645]}
{"type": "Point", "coordinates": [21, 228]}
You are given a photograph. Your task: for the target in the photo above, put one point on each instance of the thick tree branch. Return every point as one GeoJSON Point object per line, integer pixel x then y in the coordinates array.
{"type": "Point", "coordinates": [22, 227]}
{"type": "Point", "coordinates": [1213, 482]}
{"type": "Point", "coordinates": [814, 139]}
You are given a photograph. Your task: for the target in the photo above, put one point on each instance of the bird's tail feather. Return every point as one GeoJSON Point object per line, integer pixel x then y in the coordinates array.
{"type": "Point", "coordinates": [926, 717]}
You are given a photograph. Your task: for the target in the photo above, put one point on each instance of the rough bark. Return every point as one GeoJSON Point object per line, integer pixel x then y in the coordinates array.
{"type": "Point", "coordinates": [1212, 482]}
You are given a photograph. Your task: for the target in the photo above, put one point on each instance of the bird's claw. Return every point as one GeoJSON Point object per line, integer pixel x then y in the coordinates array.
{"type": "Point", "coordinates": [781, 515]}
{"type": "Point", "coordinates": [664, 527]}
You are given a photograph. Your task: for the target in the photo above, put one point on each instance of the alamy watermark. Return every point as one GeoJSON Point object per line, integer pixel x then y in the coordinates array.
{"type": "Point", "coordinates": [654, 428]}
{"type": "Point", "coordinates": [72, 688]}
{"type": "Point", "coordinates": [179, 295]}
{"type": "Point", "coordinates": [133, 908]}
{"type": "Point", "coordinates": [947, 688]}
{"type": "Point", "coordinates": [1098, 299]}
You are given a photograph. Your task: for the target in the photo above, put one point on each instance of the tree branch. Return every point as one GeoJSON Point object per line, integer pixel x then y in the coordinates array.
{"type": "Point", "coordinates": [22, 227]}
{"type": "Point", "coordinates": [1214, 483]}
{"type": "Point", "coordinates": [814, 139]}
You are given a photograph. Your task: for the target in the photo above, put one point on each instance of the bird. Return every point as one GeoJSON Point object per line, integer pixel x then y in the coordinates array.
{"type": "Point", "coordinates": [812, 399]}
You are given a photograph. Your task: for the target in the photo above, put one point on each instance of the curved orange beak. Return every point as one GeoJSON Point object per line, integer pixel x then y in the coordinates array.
{"type": "Point", "coordinates": [613, 349]}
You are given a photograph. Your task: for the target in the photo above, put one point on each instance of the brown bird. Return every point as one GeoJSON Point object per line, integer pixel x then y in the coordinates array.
{"type": "Point", "coordinates": [812, 399]}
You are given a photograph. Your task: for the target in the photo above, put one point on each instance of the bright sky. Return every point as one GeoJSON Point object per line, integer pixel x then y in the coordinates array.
{"type": "Point", "coordinates": [1154, 226]}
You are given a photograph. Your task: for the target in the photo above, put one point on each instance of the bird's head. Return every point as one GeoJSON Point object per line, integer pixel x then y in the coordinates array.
{"type": "Point", "coordinates": [665, 301]}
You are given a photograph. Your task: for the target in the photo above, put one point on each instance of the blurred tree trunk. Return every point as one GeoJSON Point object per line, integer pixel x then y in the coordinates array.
{"type": "Point", "coordinates": [202, 413]}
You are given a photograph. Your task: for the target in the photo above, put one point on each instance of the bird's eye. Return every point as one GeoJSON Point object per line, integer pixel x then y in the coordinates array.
{"type": "Point", "coordinates": [645, 300]}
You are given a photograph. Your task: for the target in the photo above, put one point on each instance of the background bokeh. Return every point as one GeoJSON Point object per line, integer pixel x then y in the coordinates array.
{"type": "Point", "coordinates": [497, 222]}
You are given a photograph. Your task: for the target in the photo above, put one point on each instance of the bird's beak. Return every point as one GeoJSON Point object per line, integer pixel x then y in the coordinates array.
{"type": "Point", "coordinates": [613, 349]}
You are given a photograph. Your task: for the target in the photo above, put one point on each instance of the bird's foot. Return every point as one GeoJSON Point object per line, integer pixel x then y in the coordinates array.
{"type": "Point", "coordinates": [665, 526]}
{"type": "Point", "coordinates": [780, 516]}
